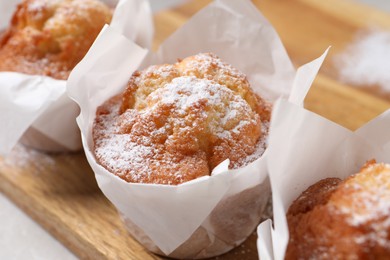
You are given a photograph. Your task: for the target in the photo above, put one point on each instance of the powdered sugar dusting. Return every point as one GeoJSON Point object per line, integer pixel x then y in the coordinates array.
{"type": "Point", "coordinates": [133, 145]}
{"type": "Point", "coordinates": [136, 156]}
{"type": "Point", "coordinates": [119, 151]}
{"type": "Point", "coordinates": [36, 6]}
{"type": "Point", "coordinates": [206, 62]}
{"type": "Point", "coordinates": [186, 92]}
{"type": "Point", "coordinates": [366, 61]}
{"type": "Point", "coordinates": [368, 204]}
{"type": "Point", "coordinates": [260, 146]}
{"type": "Point", "coordinates": [371, 197]}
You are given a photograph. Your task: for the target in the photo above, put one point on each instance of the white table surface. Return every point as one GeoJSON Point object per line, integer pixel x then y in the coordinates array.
{"type": "Point", "coordinates": [22, 238]}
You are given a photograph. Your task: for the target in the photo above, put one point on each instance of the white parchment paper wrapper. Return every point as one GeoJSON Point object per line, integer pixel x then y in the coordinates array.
{"type": "Point", "coordinates": [39, 106]}
{"type": "Point", "coordinates": [210, 215]}
{"type": "Point", "coordinates": [305, 148]}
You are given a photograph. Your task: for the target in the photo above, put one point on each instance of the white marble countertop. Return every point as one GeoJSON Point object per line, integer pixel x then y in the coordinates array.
{"type": "Point", "coordinates": [22, 238]}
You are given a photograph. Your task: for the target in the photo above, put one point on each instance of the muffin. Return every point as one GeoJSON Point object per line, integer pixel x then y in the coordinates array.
{"type": "Point", "coordinates": [175, 123]}
{"type": "Point", "coordinates": [349, 219]}
{"type": "Point", "coordinates": [50, 37]}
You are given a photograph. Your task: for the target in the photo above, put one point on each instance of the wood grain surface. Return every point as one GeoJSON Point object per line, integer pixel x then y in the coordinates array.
{"type": "Point", "coordinates": [60, 192]}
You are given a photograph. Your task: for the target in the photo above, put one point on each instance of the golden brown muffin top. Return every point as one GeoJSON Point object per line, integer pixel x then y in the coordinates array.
{"type": "Point", "coordinates": [175, 123]}
{"type": "Point", "coordinates": [347, 219]}
{"type": "Point", "coordinates": [49, 37]}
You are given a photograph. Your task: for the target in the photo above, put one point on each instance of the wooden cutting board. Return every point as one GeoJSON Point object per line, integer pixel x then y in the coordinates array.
{"type": "Point", "coordinates": [60, 192]}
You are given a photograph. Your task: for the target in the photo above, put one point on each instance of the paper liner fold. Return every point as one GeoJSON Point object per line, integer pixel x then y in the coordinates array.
{"type": "Point", "coordinates": [23, 99]}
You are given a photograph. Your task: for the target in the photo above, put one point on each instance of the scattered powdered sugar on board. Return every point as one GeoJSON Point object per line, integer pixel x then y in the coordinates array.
{"type": "Point", "coordinates": [366, 61]}
{"type": "Point", "coordinates": [22, 157]}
